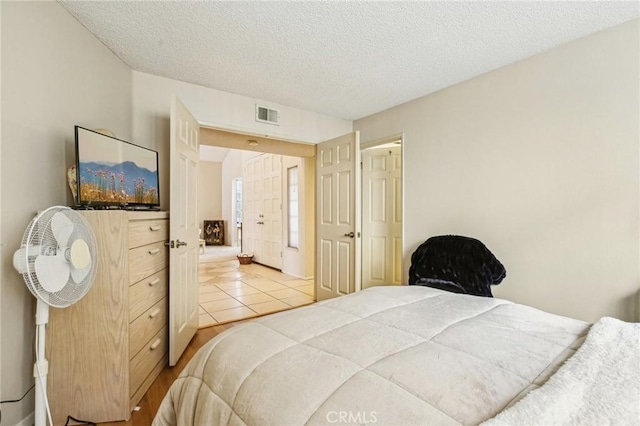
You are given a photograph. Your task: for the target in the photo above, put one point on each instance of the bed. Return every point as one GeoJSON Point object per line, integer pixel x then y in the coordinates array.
{"type": "Point", "coordinates": [409, 355]}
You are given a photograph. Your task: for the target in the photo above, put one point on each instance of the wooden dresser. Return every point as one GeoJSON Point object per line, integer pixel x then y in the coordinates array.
{"type": "Point", "coordinates": [106, 350]}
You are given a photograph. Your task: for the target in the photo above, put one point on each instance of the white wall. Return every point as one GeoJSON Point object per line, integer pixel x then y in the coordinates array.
{"type": "Point", "coordinates": [55, 75]}
{"type": "Point", "coordinates": [539, 160]}
{"type": "Point", "coordinates": [231, 169]}
{"type": "Point", "coordinates": [210, 193]}
{"type": "Point", "coordinates": [152, 102]}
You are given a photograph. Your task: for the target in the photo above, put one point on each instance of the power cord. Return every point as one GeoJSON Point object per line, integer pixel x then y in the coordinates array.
{"type": "Point", "coordinates": [78, 422]}
{"type": "Point", "coordinates": [9, 401]}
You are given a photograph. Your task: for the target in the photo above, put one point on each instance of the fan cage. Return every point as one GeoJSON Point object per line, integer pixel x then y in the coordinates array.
{"type": "Point", "coordinates": [39, 240]}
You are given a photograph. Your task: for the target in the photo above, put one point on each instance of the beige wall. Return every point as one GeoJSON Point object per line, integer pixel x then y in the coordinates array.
{"type": "Point", "coordinates": [539, 160]}
{"type": "Point", "coordinates": [55, 75]}
{"type": "Point", "coordinates": [210, 192]}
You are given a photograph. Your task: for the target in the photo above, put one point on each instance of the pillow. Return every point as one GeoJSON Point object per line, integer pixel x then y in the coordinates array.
{"type": "Point", "coordinates": [463, 262]}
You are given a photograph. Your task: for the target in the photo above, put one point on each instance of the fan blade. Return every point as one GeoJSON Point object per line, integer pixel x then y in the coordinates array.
{"type": "Point", "coordinates": [52, 272]}
{"type": "Point", "coordinates": [79, 275]}
{"type": "Point", "coordinates": [62, 227]}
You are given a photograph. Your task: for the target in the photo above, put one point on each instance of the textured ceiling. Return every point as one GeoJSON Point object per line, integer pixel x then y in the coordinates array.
{"type": "Point", "coordinates": [342, 59]}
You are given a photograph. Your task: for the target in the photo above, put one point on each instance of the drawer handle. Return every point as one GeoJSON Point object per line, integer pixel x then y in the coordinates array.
{"type": "Point", "coordinates": [155, 344]}
{"type": "Point", "coordinates": [154, 313]}
{"type": "Point", "coordinates": [154, 282]}
{"type": "Point", "coordinates": [154, 228]}
{"type": "Point", "coordinates": [154, 251]}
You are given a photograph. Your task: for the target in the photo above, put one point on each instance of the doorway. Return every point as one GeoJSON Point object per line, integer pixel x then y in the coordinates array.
{"type": "Point", "coordinates": [394, 272]}
{"type": "Point", "coordinates": [228, 291]}
{"type": "Point", "coordinates": [382, 212]}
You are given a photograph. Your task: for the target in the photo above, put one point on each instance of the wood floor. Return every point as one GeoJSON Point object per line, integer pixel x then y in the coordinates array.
{"type": "Point", "coordinates": [154, 396]}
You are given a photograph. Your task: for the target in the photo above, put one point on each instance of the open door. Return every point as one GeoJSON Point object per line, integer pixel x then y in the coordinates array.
{"type": "Point", "coordinates": [337, 216]}
{"type": "Point", "coordinates": [381, 216]}
{"type": "Point", "coordinates": [183, 230]}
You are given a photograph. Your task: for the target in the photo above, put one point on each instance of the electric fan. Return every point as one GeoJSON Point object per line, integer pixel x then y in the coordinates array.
{"type": "Point", "coordinates": [57, 259]}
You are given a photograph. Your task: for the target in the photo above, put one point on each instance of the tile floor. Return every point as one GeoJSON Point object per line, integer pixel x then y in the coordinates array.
{"type": "Point", "coordinates": [231, 292]}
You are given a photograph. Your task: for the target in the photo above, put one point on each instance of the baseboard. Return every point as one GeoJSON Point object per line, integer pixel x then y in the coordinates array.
{"type": "Point", "coordinates": [28, 421]}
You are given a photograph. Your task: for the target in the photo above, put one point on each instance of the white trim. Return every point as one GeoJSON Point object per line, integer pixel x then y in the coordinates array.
{"type": "Point", "coordinates": [27, 421]}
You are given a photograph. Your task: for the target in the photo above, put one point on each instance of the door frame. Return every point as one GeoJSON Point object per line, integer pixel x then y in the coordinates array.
{"type": "Point", "coordinates": [235, 236]}
{"type": "Point", "coordinates": [260, 144]}
{"type": "Point", "coordinates": [374, 144]}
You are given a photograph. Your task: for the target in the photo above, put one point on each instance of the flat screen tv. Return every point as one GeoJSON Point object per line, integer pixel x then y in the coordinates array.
{"type": "Point", "coordinates": [112, 172]}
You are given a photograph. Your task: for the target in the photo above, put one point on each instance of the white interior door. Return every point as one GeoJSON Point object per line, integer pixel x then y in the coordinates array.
{"type": "Point", "coordinates": [183, 230]}
{"type": "Point", "coordinates": [262, 227]}
{"type": "Point", "coordinates": [251, 208]}
{"type": "Point", "coordinates": [271, 215]}
{"type": "Point", "coordinates": [337, 216]}
{"type": "Point", "coordinates": [381, 216]}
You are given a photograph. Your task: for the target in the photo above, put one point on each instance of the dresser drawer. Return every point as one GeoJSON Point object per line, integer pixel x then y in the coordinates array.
{"type": "Point", "coordinates": [146, 325]}
{"type": "Point", "coordinates": [143, 363]}
{"type": "Point", "coordinates": [143, 232]}
{"type": "Point", "coordinates": [147, 292]}
{"type": "Point", "coordinates": [147, 382]}
{"type": "Point", "coordinates": [147, 260]}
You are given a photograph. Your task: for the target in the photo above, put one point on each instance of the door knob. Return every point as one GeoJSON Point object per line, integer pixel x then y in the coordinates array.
{"type": "Point", "coordinates": [350, 235]}
{"type": "Point", "coordinates": [184, 243]}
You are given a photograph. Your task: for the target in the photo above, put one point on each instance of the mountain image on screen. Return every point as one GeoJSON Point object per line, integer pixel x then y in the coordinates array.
{"type": "Point", "coordinates": [123, 183]}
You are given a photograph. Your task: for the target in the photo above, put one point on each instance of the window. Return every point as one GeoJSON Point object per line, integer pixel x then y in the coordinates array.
{"type": "Point", "coordinates": [292, 208]}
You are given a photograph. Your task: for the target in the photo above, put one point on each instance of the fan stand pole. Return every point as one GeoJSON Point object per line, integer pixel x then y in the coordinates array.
{"type": "Point", "coordinates": [41, 366]}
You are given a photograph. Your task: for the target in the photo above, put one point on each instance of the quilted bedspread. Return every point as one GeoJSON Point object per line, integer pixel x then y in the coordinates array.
{"type": "Point", "coordinates": [397, 355]}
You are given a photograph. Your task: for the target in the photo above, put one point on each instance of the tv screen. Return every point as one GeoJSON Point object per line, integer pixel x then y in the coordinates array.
{"type": "Point", "coordinates": [112, 172]}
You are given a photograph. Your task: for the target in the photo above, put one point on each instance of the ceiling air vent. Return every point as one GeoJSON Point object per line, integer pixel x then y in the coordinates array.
{"type": "Point", "coordinates": [266, 115]}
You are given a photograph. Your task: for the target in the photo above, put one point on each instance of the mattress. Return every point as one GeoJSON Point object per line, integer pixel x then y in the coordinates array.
{"type": "Point", "coordinates": [407, 355]}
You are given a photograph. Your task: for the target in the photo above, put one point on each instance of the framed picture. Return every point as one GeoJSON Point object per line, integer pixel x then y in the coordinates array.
{"type": "Point", "coordinates": [214, 232]}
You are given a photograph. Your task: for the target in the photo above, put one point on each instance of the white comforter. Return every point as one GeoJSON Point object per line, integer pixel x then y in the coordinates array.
{"type": "Point", "coordinates": [387, 355]}
{"type": "Point", "coordinates": [599, 385]}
